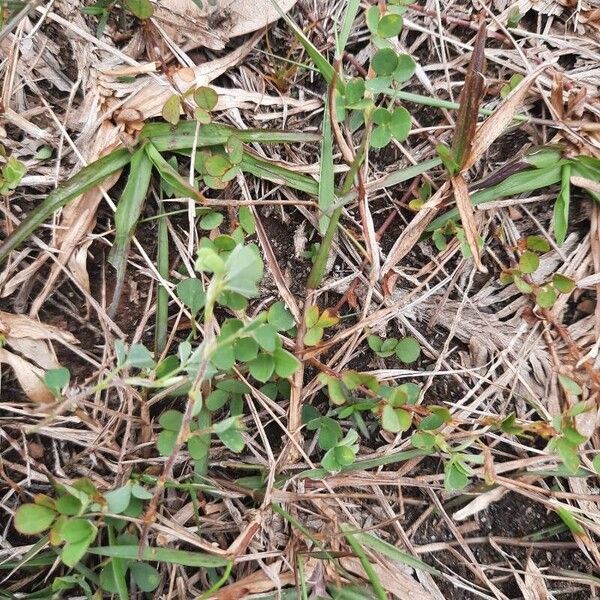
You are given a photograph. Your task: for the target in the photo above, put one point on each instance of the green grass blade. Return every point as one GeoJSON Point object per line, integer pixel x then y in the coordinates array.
{"type": "Point", "coordinates": [184, 558]}
{"type": "Point", "coordinates": [392, 179]}
{"type": "Point", "coordinates": [166, 137]}
{"type": "Point", "coordinates": [349, 17]}
{"type": "Point", "coordinates": [385, 548]}
{"type": "Point", "coordinates": [519, 183]}
{"type": "Point", "coordinates": [170, 175]}
{"type": "Point", "coordinates": [161, 328]}
{"type": "Point", "coordinates": [324, 66]}
{"type": "Point", "coordinates": [560, 218]}
{"type": "Point", "coordinates": [127, 215]}
{"type": "Point", "coordinates": [318, 269]}
{"type": "Point", "coordinates": [587, 167]}
{"type": "Point", "coordinates": [118, 569]}
{"type": "Point", "coordinates": [89, 177]}
{"type": "Point", "coordinates": [279, 174]}
{"type": "Point", "coordinates": [326, 174]}
{"type": "Point", "coordinates": [364, 561]}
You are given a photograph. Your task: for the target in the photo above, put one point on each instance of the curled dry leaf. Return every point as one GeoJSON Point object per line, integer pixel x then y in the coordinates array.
{"type": "Point", "coordinates": [31, 340]}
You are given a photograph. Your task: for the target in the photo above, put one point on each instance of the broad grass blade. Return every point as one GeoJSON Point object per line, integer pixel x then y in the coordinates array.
{"type": "Point", "coordinates": [168, 555]}
{"type": "Point", "coordinates": [127, 215]}
{"type": "Point", "coordinates": [326, 175]}
{"type": "Point", "coordinates": [91, 176]}
{"type": "Point", "coordinates": [166, 137]}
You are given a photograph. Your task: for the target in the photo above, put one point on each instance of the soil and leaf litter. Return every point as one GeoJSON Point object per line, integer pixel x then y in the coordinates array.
{"type": "Point", "coordinates": [306, 313]}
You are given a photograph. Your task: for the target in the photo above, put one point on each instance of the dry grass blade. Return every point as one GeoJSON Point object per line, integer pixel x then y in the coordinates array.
{"type": "Point", "coordinates": [467, 217]}
{"type": "Point", "coordinates": [417, 226]}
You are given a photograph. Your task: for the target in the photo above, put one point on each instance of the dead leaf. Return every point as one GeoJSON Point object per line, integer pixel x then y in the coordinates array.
{"type": "Point", "coordinates": [467, 217]}
{"type": "Point", "coordinates": [31, 340]}
{"type": "Point", "coordinates": [30, 378]}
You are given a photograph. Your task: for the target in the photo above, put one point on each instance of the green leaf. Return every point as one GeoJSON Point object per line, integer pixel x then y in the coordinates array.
{"type": "Point", "coordinates": [408, 349]}
{"type": "Point", "coordinates": [280, 317]}
{"type": "Point", "coordinates": [545, 297]}
{"type": "Point", "coordinates": [400, 124]}
{"type": "Point", "coordinates": [262, 367]}
{"type": "Point", "coordinates": [217, 164]}
{"type": "Point", "coordinates": [246, 219]}
{"type": "Point", "coordinates": [145, 576]}
{"type": "Point", "coordinates": [344, 455]}
{"type": "Point", "coordinates": [522, 285]}
{"type": "Point", "coordinates": [118, 500]}
{"type": "Point", "coordinates": [375, 342]}
{"type": "Point", "coordinates": [140, 492]}
{"type": "Point", "coordinates": [384, 61]}
{"type": "Point", "coordinates": [232, 439]}
{"type": "Point", "coordinates": [313, 336]}
{"type": "Point", "coordinates": [423, 440]}
{"type": "Point", "coordinates": [167, 555]}
{"type": "Point", "coordinates": [216, 400]}
{"type": "Point", "coordinates": [244, 269]}
{"type": "Point", "coordinates": [140, 357]}
{"type": "Point", "coordinates": [570, 386]}
{"type": "Point", "coordinates": [171, 110]}
{"type": "Point", "coordinates": [69, 505]}
{"type": "Point", "coordinates": [390, 26]}
{"type": "Point", "coordinates": [381, 136]}
{"type": "Point", "coordinates": [205, 97]}
{"type": "Point", "coordinates": [381, 116]}
{"type": "Point", "coordinates": [198, 445]}
{"type": "Point", "coordinates": [312, 316]}
{"type": "Point", "coordinates": [285, 363]}
{"type": "Point", "coordinates": [529, 262]}
{"type": "Point", "coordinates": [165, 442]}
{"type": "Point", "coordinates": [596, 463]}
{"type": "Point", "coordinates": [329, 461]}
{"type": "Point", "coordinates": [223, 357]}
{"type": "Point", "coordinates": [171, 420]}
{"type": "Point", "coordinates": [266, 336]}
{"type": "Point", "coordinates": [211, 221]}
{"type": "Point", "coordinates": [405, 69]}
{"type": "Point", "coordinates": [56, 380]}
{"type": "Point", "coordinates": [191, 293]}
{"type": "Point", "coordinates": [455, 478]}
{"type": "Point", "coordinates": [355, 91]}
{"type": "Point", "coordinates": [337, 392]}
{"type": "Point", "coordinates": [79, 534]}
{"type": "Point", "coordinates": [142, 9]}
{"type": "Point", "coordinates": [395, 420]}
{"type": "Point", "coordinates": [386, 549]}
{"type": "Point", "coordinates": [32, 518]}
{"type": "Point", "coordinates": [537, 243]}
{"type": "Point", "coordinates": [562, 283]}
{"type": "Point", "coordinates": [568, 454]}
{"type": "Point", "coordinates": [245, 349]}
{"type": "Point", "coordinates": [330, 432]}
{"type": "Point", "coordinates": [372, 16]}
